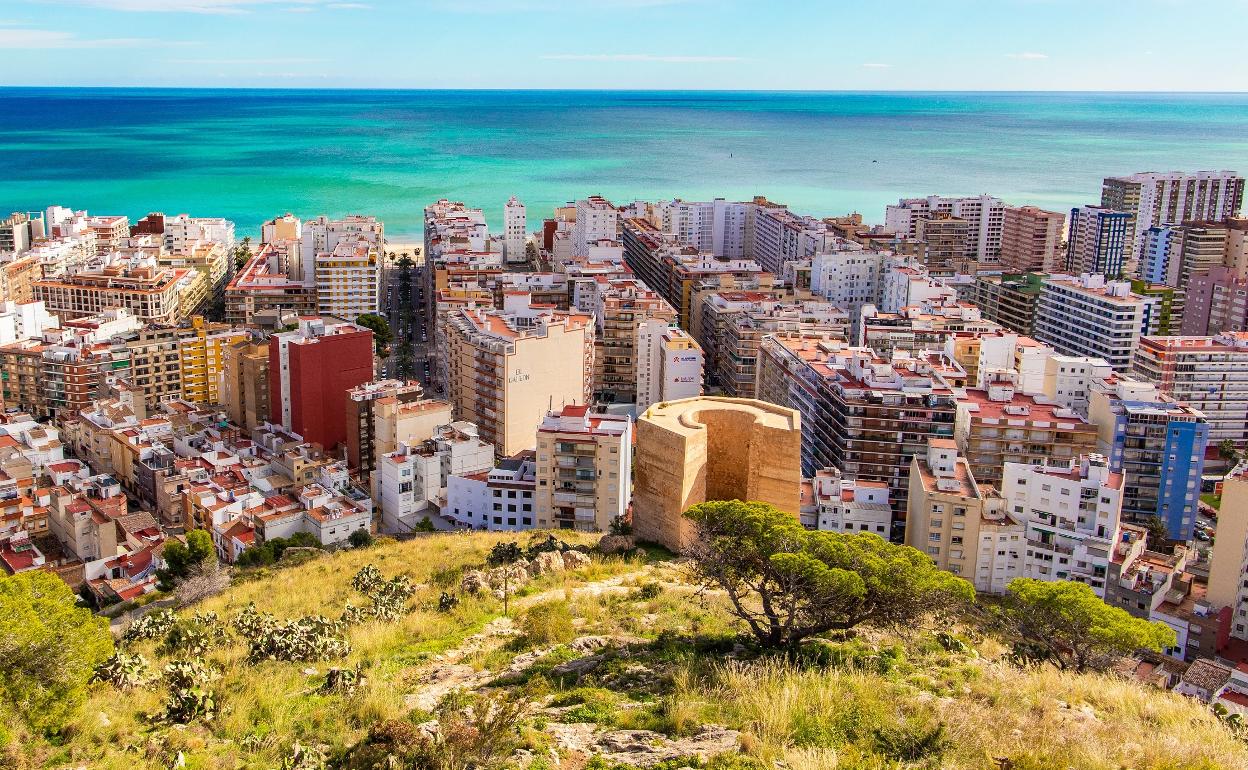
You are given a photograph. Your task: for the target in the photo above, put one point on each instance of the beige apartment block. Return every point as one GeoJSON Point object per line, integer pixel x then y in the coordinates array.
{"type": "Point", "coordinates": [584, 469]}
{"type": "Point", "coordinates": [962, 526]}
{"type": "Point", "coordinates": [699, 449]}
{"type": "Point", "coordinates": [396, 422]}
{"type": "Point", "coordinates": [506, 369]}
{"type": "Point", "coordinates": [244, 387]}
{"type": "Point", "coordinates": [1228, 571]}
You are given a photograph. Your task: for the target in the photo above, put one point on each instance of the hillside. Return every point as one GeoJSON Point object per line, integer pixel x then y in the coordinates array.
{"type": "Point", "coordinates": [616, 662]}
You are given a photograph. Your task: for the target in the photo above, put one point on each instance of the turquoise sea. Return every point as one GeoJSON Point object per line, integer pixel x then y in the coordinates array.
{"type": "Point", "coordinates": [252, 154]}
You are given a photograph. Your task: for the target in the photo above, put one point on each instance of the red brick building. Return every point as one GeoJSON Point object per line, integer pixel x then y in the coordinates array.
{"type": "Point", "coordinates": [311, 369]}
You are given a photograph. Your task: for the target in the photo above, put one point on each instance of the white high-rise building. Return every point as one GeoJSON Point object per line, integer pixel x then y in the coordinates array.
{"type": "Point", "coordinates": [669, 364]}
{"type": "Point", "coordinates": [514, 222]}
{"type": "Point", "coordinates": [717, 226]}
{"type": "Point", "coordinates": [1161, 198]}
{"type": "Point", "coordinates": [596, 221]}
{"type": "Point", "coordinates": [322, 235]}
{"type": "Point", "coordinates": [1072, 514]}
{"type": "Point", "coordinates": [984, 213]}
{"type": "Point", "coordinates": [1088, 316]}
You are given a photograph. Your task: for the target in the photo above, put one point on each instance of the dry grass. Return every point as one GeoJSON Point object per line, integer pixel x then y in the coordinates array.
{"type": "Point", "coordinates": [811, 718]}
{"type": "Point", "coordinates": [1040, 720]}
{"type": "Point", "coordinates": [265, 707]}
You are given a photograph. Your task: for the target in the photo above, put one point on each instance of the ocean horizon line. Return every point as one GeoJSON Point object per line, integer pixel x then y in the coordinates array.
{"type": "Point", "coordinates": [468, 89]}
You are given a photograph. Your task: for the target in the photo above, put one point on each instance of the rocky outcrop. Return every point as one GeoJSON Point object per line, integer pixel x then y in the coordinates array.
{"type": "Point", "coordinates": [613, 544]}
{"type": "Point", "coordinates": [642, 748]}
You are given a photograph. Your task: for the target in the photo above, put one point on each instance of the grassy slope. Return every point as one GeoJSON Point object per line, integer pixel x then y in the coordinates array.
{"type": "Point", "coordinates": [811, 718]}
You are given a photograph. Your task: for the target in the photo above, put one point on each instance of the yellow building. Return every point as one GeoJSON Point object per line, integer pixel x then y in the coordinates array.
{"type": "Point", "coordinates": [700, 449]}
{"type": "Point", "coordinates": [200, 354]}
{"type": "Point", "coordinates": [348, 279]}
{"type": "Point", "coordinates": [507, 368]}
{"type": "Point", "coordinates": [210, 258]}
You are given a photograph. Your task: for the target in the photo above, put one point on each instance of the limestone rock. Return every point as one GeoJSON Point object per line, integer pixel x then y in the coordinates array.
{"type": "Point", "coordinates": [574, 560]}
{"type": "Point", "coordinates": [612, 544]}
{"type": "Point", "coordinates": [473, 582]}
{"type": "Point", "coordinates": [548, 561]}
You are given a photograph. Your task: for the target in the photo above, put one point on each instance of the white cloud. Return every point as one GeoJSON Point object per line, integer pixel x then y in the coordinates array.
{"type": "Point", "coordinates": [349, 6]}
{"type": "Point", "coordinates": [874, 65]}
{"type": "Point", "coordinates": [1028, 56]}
{"type": "Point", "coordinates": [31, 39]}
{"type": "Point", "coordinates": [641, 57]}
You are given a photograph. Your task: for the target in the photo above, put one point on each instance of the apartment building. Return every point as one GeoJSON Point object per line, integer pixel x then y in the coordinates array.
{"type": "Point", "coordinates": [348, 279]}
{"type": "Point", "coordinates": [183, 233]}
{"type": "Point", "coordinates": [945, 239]}
{"type": "Point", "coordinates": [263, 284]}
{"type": "Point", "coordinates": [1031, 240]}
{"type": "Point", "coordinates": [670, 364]}
{"type": "Point", "coordinates": [862, 414]}
{"type": "Point", "coordinates": [999, 425]}
{"type": "Point", "coordinates": [244, 387]}
{"type": "Point", "coordinates": [17, 279]}
{"type": "Point", "coordinates": [1214, 301]}
{"type": "Point", "coordinates": [596, 221]}
{"type": "Point", "coordinates": [396, 421]}
{"type": "Point", "coordinates": [1068, 380]}
{"type": "Point", "coordinates": [621, 308]}
{"type": "Point", "coordinates": [849, 276]}
{"type": "Point", "coordinates": [501, 499]}
{"type": "Point", "coordinates": [1072, 513]}
{"type": "Point", "coordinates": [506, 368]}
{"type": "Point", "coordinates": [1088, 316]}
{"type": "Point", "coordinates": [1228, 564]}
{"type": "Point", "coordinates": [311, 369]}
{"type": "Point", "coordinates": [1100, 242]}
{"type": "Point", "coordinates": [1010, 299]}
{"type": "Point", "coordinates": [18, 231]}
{"type": "Point", "coordinates": [200, 355]}
{"type": "Point", "coordinates": [735, 324]}
{"type": "Point", "coordinates": [1153, 198]}
{"type": "Point", "coordinates": [1158, 444]}
{"type": "Point", "coordinates": [849, 505]}
{"type": "Point", "coordinates": [152, 294]}
{"type": "Point", "coordinates": [209, 258]}
{"type": "Point", "coordinates": [584, 469]}
{"type": "Point", "coordinates": [410, 481]}
{"type": "Point", "coordinates": [361, 404]}
{"type": "Point", "coordinates": [155, 362]}
{"type": "Point", "coordinates": [962, 526]}
{"type": "Point", "coordinates": [675, 272]}
{"type": "Point", "coordinates": [718, 226]}
{"type": "Point", "coordinates": [1209, 374]}
{"type": "Point", "coordinates": [779, 236]}
{"type": "Point", "coordinates": [984, 215]}
{"type": "Point", "coordinates": [514, 234]}
{"type": "Point", "coordinates": [1173, 254]}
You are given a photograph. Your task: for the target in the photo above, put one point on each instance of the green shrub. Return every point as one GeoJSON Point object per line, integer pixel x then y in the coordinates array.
{"type": "Point", "coordinates": [549, 623]}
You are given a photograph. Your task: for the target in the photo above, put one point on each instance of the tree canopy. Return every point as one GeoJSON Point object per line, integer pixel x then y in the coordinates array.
{"type": "Point", "coordinates": [1064, 622]}
{"type": "Point", "coordinates": [49, 646]}
{"type": "Point", "coordinates": [382, 336]}
{"type": "Point", "coordinates": [180, 558]}
{"type": "Point", "coordinates": [788, 583]}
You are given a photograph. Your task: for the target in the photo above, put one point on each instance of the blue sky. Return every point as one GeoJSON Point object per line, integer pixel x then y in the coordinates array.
{"type": "Point", "coordinates": [1098, 45]}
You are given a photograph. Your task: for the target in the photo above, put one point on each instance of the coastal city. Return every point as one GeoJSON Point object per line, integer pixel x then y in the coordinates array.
{"type": "Point", "coordinates": [1014, 392]}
